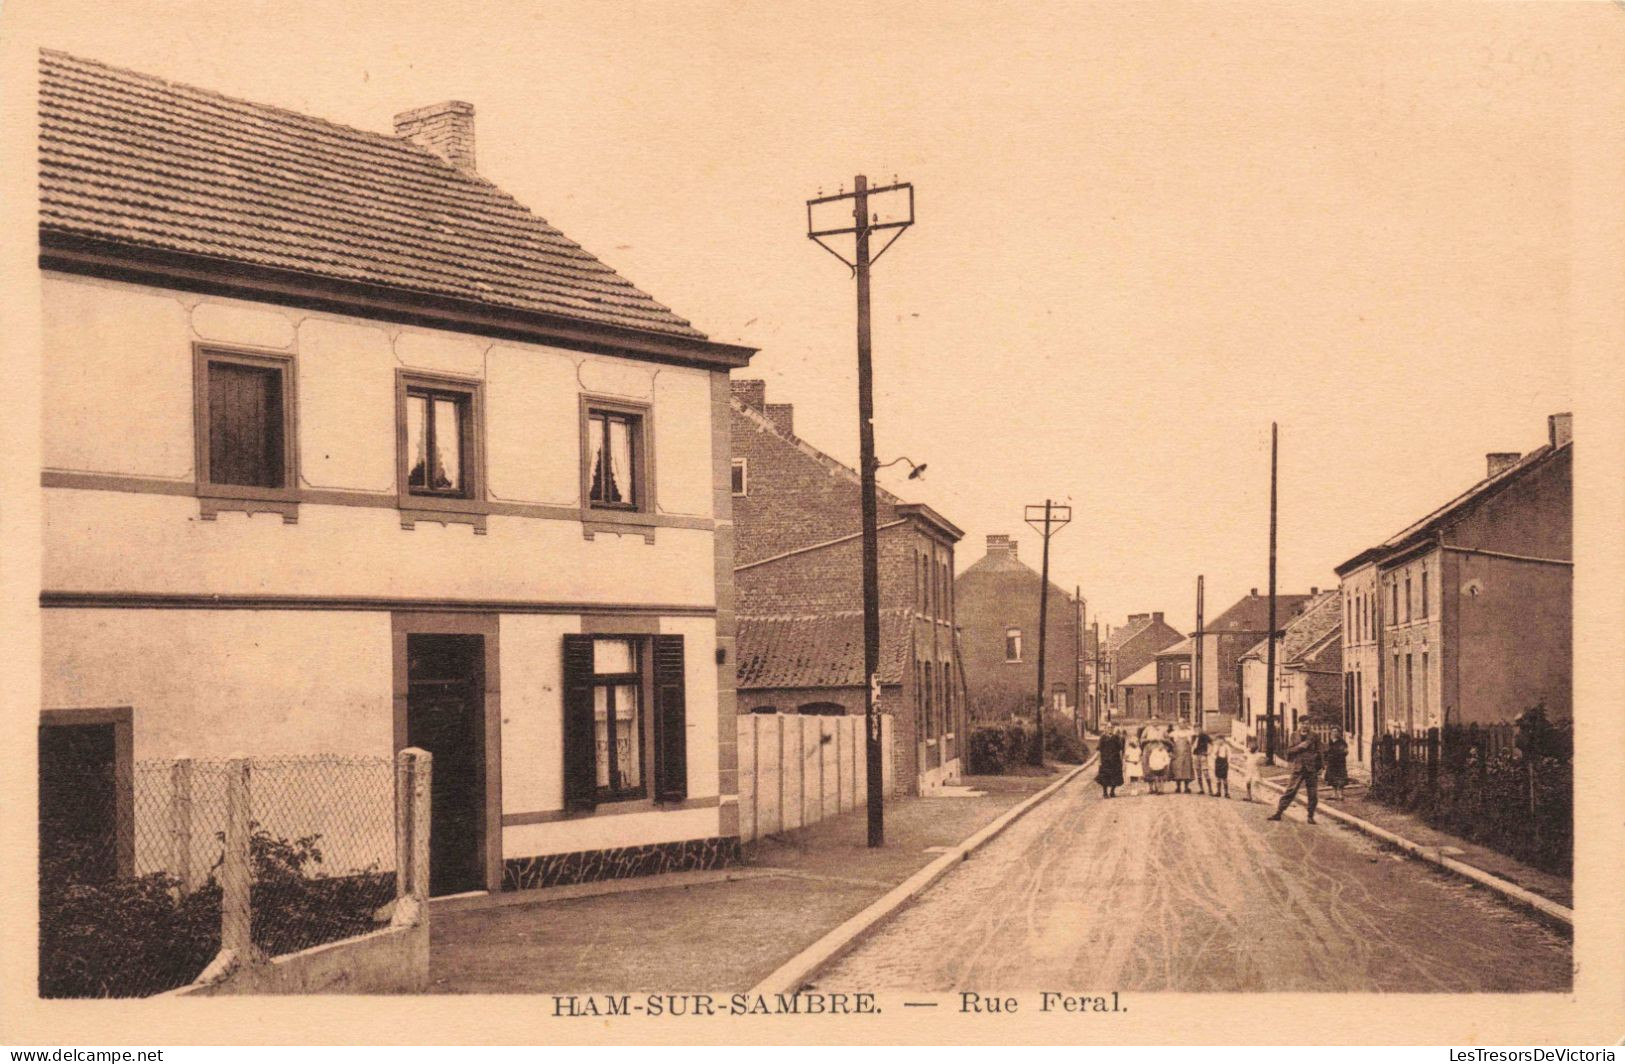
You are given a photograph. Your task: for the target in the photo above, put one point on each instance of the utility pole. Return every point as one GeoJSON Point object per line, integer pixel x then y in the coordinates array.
{"type": "Point", "coordinates": [1054, 519]}
{"type": "Point", "coordinates": [863, 222]}
{"type": "Point", "coordinates": [1196, 678]}
{"type": "Point", "coordinates": [1077, 664]}
{"type": "Point", "coordinates": [1269, 667]}
{"type": "Point", "coordinates": [1099, 709]}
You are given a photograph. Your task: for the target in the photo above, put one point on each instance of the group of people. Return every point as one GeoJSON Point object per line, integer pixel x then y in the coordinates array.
{"type": "Point", "coordinates": [1194, 762]}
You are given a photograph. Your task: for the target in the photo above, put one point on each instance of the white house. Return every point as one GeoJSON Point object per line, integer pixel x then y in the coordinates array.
{"type": "Point", "coordinates": [345, 450]}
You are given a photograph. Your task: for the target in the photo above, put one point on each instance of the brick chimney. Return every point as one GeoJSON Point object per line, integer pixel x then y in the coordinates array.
{"type": "Point", "coordinates": [1156, 618]}
{"type": "Point", "coordinates": [1560, 428]}
{"type": "Point", "coordinates": [750, 393]}
{"type": "Point", "coordinates": [1498, 462]}
{"type": "Point", "coordinates": [998, 546]}
{"type": "Point", "coordinates": [783, 416]}
{"type": "Point", "coordinates": [1253, 592]}
{"type": "Point", "coordinates": [447, 129]}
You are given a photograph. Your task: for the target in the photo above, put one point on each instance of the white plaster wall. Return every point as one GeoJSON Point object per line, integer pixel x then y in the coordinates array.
{"type": "Point", "coordinates": [533, 711]}
{"type": "Point", "coordinates": [118, 541]}
{"type": "Point", "coordinates": [117, 380]}
{"type": "Point", "coordinates": [119, 395]}
{"type": "Point", "coordinates": [212, 683]}
{"type": "Point", "coordinates": [608, 832]}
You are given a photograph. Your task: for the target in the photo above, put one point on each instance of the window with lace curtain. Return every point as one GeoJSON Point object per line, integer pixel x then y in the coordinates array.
{"type": "Point", "coordinates": [616, 459]}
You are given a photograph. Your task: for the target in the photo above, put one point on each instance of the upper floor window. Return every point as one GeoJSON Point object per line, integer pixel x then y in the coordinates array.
{"type": "Point", "coordinates": [1408, 596]}
{"type": "Point", "coordinates": [1393, 589]}
{"type": "Point", "coordinates": [741, 476]}
{"type": "Point", "coordinates": [439, 438]}
{"type": "Point", "coordinates": [1012, 644]}
{"type": "Point", "coordinates": [615, 462]}
{"type": "Point", "coordinates": [1424, 591]}
{"type": "Point", "coordinates": [1184, 670]}
{"type": "Point", "coordinates": [244, 416]}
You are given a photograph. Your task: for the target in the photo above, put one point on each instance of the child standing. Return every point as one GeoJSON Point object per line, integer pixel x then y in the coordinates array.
{"type": "Point", "coordinates": [1135, 771]}
{"type": "Point", "coordinates": [1221, 768]}
{"type": "Point", "coordinates": [1255, 766]}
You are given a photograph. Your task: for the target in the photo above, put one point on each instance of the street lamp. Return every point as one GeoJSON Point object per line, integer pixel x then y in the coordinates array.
{"type": "Point", "coordinates": [915, 472]}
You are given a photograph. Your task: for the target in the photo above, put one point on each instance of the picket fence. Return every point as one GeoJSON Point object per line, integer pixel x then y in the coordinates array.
{"type": "Point", "coordinates": [797, 770]}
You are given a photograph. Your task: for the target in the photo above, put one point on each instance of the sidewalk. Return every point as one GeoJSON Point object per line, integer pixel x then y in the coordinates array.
{"type": "Point", "coordinates": [1408, 826]}
{"type": "Point", "coordinates": [720, 935]}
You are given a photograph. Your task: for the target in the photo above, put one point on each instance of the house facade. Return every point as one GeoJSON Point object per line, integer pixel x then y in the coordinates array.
{"type": "Point", "coordinates": [1137, 695]}
{"type": "Point", "coordinates": [1174, 684]}
{"type": "Point", "coordinates": [1473, 613]}
{"type": "Point", "coordinates": [1308, 667]}
{"type": "Point", "coordinates": [346, 451]}
{"type": "Point", "coordinates": [798, 576]}
{"type": "Point", "coordinates": [1132, 646]}
{"type": "Point", "coordinates": [1228, 637]}
{"type": "Point", "coordinates": [998, 600]}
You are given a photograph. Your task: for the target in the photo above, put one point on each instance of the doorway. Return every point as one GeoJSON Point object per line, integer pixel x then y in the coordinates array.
{"type": "Point", "coordinates": [445, 715]}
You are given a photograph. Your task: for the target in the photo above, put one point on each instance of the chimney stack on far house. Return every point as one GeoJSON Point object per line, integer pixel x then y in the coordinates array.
{"type": "Point", "coordinates": [749, 393]}
{"type": "Point", "coordinates": [1253, 592]}
{"type": "Point", "coordinates": [1498, 462]}
{"type": "Point", "coordinates": [1000, 545]}
{"type": "Point", "coordinates": [447, 129]}
{"type": "Point", "coordinates": [1560, 428]}
{"type": "Point", "coordinates": [1156, 618]}
{"type": "Point", "coordinates": [783, 416]}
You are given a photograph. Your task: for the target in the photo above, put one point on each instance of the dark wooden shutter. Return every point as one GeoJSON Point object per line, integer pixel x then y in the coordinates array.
{"type": "Point", "coordinates": [671, 720]}
{"type": "Point", "coordinates": [245, 426]}
{"type": "Point", "coordinates": [580, 747]}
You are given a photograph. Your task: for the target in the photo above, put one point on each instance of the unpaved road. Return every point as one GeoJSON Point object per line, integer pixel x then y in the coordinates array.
{"type": "Point", "coordinates": [1192, 893]}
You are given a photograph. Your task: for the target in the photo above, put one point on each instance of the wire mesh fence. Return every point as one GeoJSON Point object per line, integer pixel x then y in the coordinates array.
{"type": "Point", "coordinates": [135, 861]}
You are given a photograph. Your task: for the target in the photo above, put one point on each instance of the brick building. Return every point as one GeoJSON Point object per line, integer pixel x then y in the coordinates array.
{"type": "Point", "coordinates": [1230, 635]}
{"type": "Point", "coordinates": [1174, 684]}
{"type": "Point", "coordinates": [799, 581]}
{"type": "Point", "coordinates": [998, 601]}
{"type": "Point", "coordinates": [1466, 616]}
{"type": "Point", "coordinates": [1129, 649]}
{"type": "Point", "coordinates": [1308, 668]}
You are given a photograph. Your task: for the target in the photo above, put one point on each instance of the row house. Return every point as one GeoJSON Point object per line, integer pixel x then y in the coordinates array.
{"type": "Point", "coordinates": [1174, 685]}
{"type": "Point", "coordinates": [1466, 616]}
{"type": "Point", "coordinates": [345, 450]}
{"type": "Point", "coordinates": [998, 600]}
{"type": "Point", "coordinates": [1308, 671]}
{"type": "Point", "coordinates": [798, 577]}
{"type": "Point", "coordinates": [1229, 636]}
{"type": "Point", "coordinates": [1129, 649]}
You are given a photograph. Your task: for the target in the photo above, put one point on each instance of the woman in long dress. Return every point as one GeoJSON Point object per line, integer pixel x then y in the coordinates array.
{"type": "Point", "coordinates": [1336, 756]}
{"type": "Point", "coordinates": [1183, 768]}
{"type": "Point", "coordinates": [1109, 774]}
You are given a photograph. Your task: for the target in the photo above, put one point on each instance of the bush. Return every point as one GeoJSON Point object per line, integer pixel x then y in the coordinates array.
{"type": "Point", "coordinates": [142, 935]}
{"type": "Point", "coordinates": [994, 749]}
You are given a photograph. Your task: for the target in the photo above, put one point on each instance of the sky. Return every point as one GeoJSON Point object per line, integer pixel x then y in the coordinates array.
{"type": "Point", "coordinates": [1144, 233]}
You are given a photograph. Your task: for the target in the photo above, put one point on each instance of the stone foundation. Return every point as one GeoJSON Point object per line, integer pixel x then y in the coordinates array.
{"type": "Point", "coordinates": [626, 862]}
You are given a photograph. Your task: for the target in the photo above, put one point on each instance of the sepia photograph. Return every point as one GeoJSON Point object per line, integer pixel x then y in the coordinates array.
{"type": "Point", "coordinates": [771, 523]}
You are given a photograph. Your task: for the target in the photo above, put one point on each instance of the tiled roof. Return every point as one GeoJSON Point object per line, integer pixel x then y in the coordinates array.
{"type": "Point", "coordinates": [144, 163]}
{"type": "Point", "coordinates": [1306, 632]}
{"type": "Point", "coordinates": [1455, 506]}
{"type": "Point", "coordinates": [1128, 631]}
{"type": "Point", "coordinates": [818, 651]}
{"type": "Point", "coordinates": [1145, 677]}
{"type": "Point", "coordinates": [1252, 614]}
{"type": "Point", "coordinates": [1183, 648]}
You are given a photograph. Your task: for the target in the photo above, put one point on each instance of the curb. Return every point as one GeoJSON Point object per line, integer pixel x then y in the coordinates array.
{"type": "Point", "coordinates": [482, 900]}
{"type": "Point", "coordinates": [1511, 891]}
{"type": "Point", "coordinates": [791, 975]}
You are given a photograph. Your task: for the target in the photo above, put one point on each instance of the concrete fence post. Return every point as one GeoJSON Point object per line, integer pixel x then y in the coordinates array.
{"type": "Point", "coordinates": [236, 865]}
{"type": "Point", "coordinates": [413, 768]}
{"type": "Point", "coordinates": [181, 862]}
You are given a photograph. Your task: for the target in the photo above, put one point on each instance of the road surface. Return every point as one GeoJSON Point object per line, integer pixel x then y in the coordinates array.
{"type": "Point", "coordinates": [1191, 893]}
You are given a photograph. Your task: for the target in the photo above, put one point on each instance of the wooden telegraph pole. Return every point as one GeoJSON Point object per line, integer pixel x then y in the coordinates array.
{"type": "Point", "coordinates": [1269, 667]}
{"type": "Point", "coordinates": [1055, 517]}
{"type": "Point", "coordinates": [862, 223]}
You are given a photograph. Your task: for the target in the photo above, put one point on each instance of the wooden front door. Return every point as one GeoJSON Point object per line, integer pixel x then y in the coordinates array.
{"type": "Point", "coordinates": [445, 712]}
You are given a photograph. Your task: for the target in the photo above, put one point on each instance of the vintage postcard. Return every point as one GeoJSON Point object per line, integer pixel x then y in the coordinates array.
{"type": "Point", "coordinates": [760, 522]}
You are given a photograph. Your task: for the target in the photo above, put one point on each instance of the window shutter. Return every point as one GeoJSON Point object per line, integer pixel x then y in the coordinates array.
{"type": "Point", "coordinates": [580, 753]}
{"type": "Point", "coordinates": [671, 720]}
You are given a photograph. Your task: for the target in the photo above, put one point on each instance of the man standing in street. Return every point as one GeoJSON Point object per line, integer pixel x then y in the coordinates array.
{"type": "Point", "coordinates": [1305, 755]}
